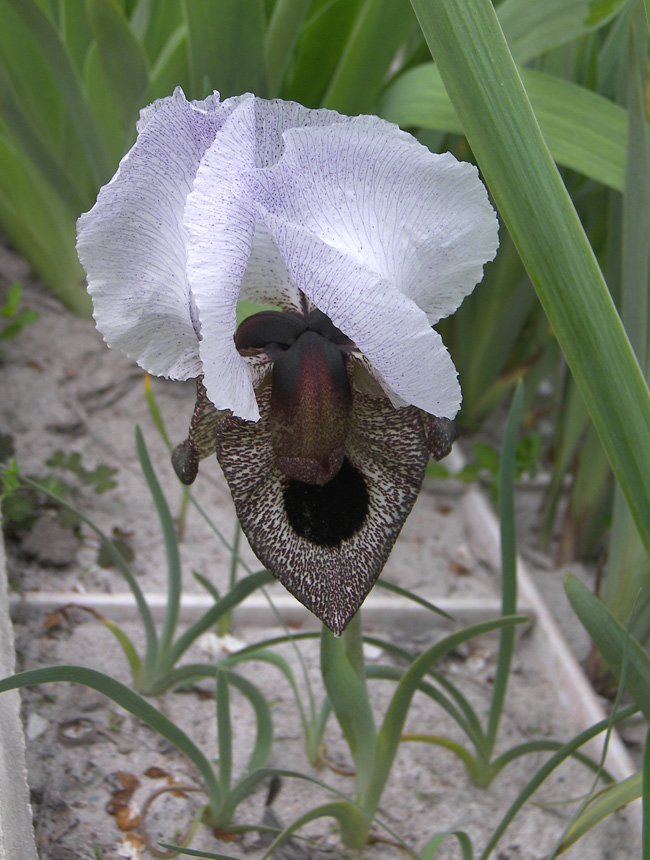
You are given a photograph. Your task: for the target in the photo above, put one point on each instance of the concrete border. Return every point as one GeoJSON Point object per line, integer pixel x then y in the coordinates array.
{"type": "Point", "coordinates": [16, 827]}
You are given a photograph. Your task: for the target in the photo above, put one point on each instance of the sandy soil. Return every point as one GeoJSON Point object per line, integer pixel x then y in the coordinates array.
{"type": "Point", "coordinates": [62, 390]}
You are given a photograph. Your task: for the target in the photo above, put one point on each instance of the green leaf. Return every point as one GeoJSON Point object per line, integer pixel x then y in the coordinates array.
{"type": "Point", "coordinates": [123, 58]}
{"type": "Point", "coordinates": [508, 564]}
{"type": "Point", "coordinates": [349, 699]}
{"type": "Point", "coordinates": [226, 46]}
{"type": "Point", "coordinates": [171, 68]}
{"type": "Point", "coordinates": [431, 848]}
{"type": "Point", "coordinates": [37, 151]}
{"type": "Point", "coordinates": [128, 700]}
{"type": "Point", "coordinates": [68, 83]}
{"type": "Point", "coordinates": [280, 39]}
{"type": "Point", "coordinates": [484, 86]}
{"type": "Point", "coordinates": [611, 799]}
{"type": "Point", "coordinates": [380, 29]}
{"type": "Point", "coordinates": [320, 45]}
{"type": "Point", "coordinates": [171, 551]}
{"type": "Point", "coordinates": [612, 641]}
{"type": "Point", "coordinates": [532, 28]}
{"type": "Point", "coordinates": [390, 733]}
{"type": "Point", "coordinates": [583, 130]}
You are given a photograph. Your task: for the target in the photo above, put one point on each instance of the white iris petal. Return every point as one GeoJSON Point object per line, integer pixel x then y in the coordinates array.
{"type": "Point", "coordinates": [263, 199]}
{"type": "Point", "coordinates": [385, 238]}
{"type": "Point", "coordinates": [132, 243]}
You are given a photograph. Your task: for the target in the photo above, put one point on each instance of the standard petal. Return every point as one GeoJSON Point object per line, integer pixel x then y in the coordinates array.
{"type": "Point", "coordinates": [385, 238]}
{"type": "Point", "coordinates": [231, 255]}
{"type": "Point", "coordinates": [132, 243]}
{"type": "Point", "coordinates": [327, 552]}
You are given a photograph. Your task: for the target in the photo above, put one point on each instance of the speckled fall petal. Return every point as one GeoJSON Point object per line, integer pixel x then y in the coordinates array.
{"type": "Point", "coordinates": [327, 545]}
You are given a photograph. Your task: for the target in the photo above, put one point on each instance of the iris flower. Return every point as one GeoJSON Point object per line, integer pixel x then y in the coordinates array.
{"type": "Point", "coordinates": [324, 410]}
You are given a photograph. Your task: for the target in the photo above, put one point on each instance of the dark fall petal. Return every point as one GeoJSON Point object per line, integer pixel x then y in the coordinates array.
{"type": "Point", "coordinates": [311, 409]}
{"type": "Point", "coordinates": [202, 439]}
{"type": "Point", "coordinates": [327, 545]}
{"type": "Point", "coordinates": [440, 433]}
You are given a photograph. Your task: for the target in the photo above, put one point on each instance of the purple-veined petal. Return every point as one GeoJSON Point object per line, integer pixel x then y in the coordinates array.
{"type": "Point", "coordinates": [385, 238]}
{"type": "Point", "coordinates": [132, 242]}
{"type": "Point", "coordinates": [231, 255]}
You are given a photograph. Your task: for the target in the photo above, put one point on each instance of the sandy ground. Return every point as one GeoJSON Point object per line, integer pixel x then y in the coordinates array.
{"type": "Point", "coordinates": [62, 390]}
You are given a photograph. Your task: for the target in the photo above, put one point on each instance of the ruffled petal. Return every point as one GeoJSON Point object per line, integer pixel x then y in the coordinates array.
{"type": "Point", "coordinates": [385, 238]}
{"type": "Point", "coordinates": [230, 254]}
{"type": "Point", "coordinates": [132, 244]}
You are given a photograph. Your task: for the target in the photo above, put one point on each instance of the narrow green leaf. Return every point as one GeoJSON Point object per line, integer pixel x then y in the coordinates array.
{"type": "Point", "coordinates": [319, 47]}
{"type": "Point", "coordinates": [135, 664]}
{"type": "Point", "coordinates": [171, 68]}
{"type": "Point", "coordinates": [42, 229]}
{"type": "Point", "coordinates": [532, 28]}
{"type": "Point", "coordinates": [171, 551]}
{"type": "Point", "coordinates": [131, 702]}
{"type": "Point", "coordinates": [123, 58]}
{"type": "Point", "coordinates": [68, 83]}
{"type": "Point", "coordinates": [547, 768]}
{"type": "Point", "coordinates": [508, 563]}
{"type": "Point", "coordinates": [391, 730]}
{"type": "Point", "coordinates": [487, 93]}
{"type": "Point", "coordinates": [612, 641]}
{"type": "Point", "coordinates": [104, 108]}
{"type": "Point", "coordinates": [224, 733]}
{"type": "Point", "coordinates": [404, 592]}
{"type": "Point", "coordinates": [380, 29]}
{"type": "Point", "coordinates": [226, 46]}
{"type": "Point", "coordinates": [431, 848]}
{"type": "Point", "coordinates": [349, 699]}
{"type": "Point", "coordinates": [264, 729]}
{"type": "Point", "coordinates": [243, 588]}
{"type": "Point", "coordinates": [120, 564]}
{"type": "Point", "coordinates": [628, 565]}
{"type": "Point", "coordinates": [37, 150]}
{"type": "Point", "coordinates": [609, 800]}
{"type": "Point", "coordinates": [583, 130]}
{"type": "Point", "coordinates": [281, 37]}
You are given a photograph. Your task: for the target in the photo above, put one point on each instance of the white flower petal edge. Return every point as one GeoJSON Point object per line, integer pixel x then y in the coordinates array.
{"type": "Point", "coordinates": [132, 243]}
{"type": "Point", "coordinates": [231, 255]}
{"type": "Point", "coordinates": [380, 233]}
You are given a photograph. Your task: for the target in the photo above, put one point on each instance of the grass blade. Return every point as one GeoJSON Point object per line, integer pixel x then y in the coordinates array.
{"type": "Point", "coordinates": [508, 563]}
{"type": "Point", "coordinates": [380, 29]}
{"type": "Point", "coordinates": [226, 46]}
{"type": "Point", "coordinates": [612, 640]}
{"type": "Point", "coordinates": [584, 131]}
{"type": "Point", "coordinates": [69, 85]}
{"type": "Point", "coordinates": [171, 551]}
{"type": "Point", "coordinates": [127, 699]}
{"type": "Point", "coordinates": [123, 58]}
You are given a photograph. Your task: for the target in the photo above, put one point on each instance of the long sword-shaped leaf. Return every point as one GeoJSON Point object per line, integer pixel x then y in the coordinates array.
{"type": "Point", "coordinates": [583, 130]}
{"type": "Point", "coordinates": [482, 81]}
{"type": "Point", "coordinates": [122, 56]}
{"type": "Point", "coordinates": [226, 46]}
{"type": "Point", "coordinates": [612, 641]}
{"type": "Point", "coordinates": [68, 82]}
{"type": "Point", "coordinates": [532, 28]}
{"type": "Point", "coordinates": [171, 550]}
{"type": "Point", "coordinates": [380, 29]}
